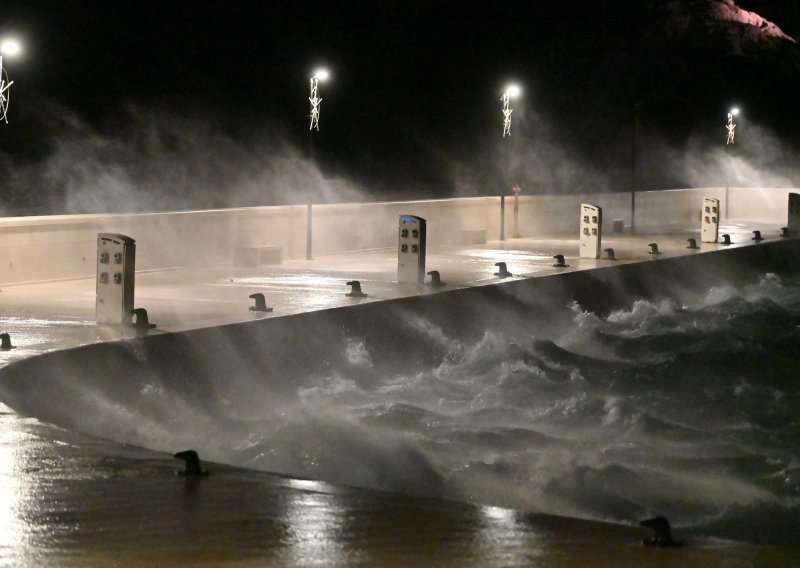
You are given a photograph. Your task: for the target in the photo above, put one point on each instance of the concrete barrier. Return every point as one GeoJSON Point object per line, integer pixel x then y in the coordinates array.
{"type": "Point", "coordinates": [61, 247]}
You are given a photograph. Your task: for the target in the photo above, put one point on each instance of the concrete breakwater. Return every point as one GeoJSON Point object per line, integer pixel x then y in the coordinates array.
{"type": "Point", "coordinates": [216, 370]}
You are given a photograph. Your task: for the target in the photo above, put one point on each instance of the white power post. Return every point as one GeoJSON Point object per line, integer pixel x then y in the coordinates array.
{"type": "Point", "coordinates": [591, 230]}
{"type": "Point", "coordinates": [709, 227]}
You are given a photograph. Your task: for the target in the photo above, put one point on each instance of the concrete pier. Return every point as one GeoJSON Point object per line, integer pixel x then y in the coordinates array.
{"type": "Point", "coordinates": [207, 306]}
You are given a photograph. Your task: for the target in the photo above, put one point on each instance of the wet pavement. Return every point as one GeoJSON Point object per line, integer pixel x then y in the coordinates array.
{"type": "Point", "coordinates": [73, 500]}
{"type": "Point", "coordinates": [55, 315]}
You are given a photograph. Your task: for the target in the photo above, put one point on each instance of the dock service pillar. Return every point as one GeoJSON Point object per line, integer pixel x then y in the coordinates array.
{"type": "Point", "coordinates": [591, 230]}
{"type": "Point", "coordinates": [411, 249]}
{"type": "Point", "coordinates": [710, 220]}
{"type": "Point", "coordinates": [116, 267]}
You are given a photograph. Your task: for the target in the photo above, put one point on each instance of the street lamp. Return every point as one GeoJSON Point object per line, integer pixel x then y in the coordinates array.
{"type": "Point", "coordinates": [10, 48]}
{"type": "Point", "coordinates": [320, 75]}
{"type": "Point", "coordinates": [512, 91]}
{"type": "Point", "coordinates": [315, 100]}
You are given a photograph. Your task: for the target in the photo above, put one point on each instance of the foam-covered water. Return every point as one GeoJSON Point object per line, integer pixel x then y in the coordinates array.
{"type": "Point", "coordinates": [690, 411]}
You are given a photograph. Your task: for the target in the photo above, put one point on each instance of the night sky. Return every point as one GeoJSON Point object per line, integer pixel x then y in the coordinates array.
{"type": "Point", "coordinates": [412, 109]}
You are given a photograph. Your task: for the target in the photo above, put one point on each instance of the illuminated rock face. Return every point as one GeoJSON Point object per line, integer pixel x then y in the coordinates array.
{"type": "Point", "coordinates": [727, 10]}
{"type": "Point", "coordinates": [724, 21]}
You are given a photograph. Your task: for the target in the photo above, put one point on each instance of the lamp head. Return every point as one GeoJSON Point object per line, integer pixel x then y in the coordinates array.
{"type": "Point", "coordinates": [10, 47]}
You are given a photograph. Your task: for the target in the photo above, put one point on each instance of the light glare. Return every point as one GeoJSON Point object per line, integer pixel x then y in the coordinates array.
{"type": "Point", "coordinates": [9, 47]}
{"type": "Point", "coordinates": [735, 111]}
{"type": "Point", "coordinates": [321, 74]}
{"type": "Point", "coordinates": [513, 91]}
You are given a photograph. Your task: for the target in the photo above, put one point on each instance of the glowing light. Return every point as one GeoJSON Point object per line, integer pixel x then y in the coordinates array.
{"type": "Point", "coordinates": [512, 91]}
{"type": "Point", "coordinates": [321, 74]}
{"type": "Point", "coordinates": [735, 111]}
{"type": "Point", "coordinates": [10, 47]}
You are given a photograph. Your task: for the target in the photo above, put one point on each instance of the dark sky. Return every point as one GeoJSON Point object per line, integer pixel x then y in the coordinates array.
{"type": "Point", "coordinates": [415, 84]}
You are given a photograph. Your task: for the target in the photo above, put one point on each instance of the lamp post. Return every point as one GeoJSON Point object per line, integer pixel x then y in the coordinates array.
{"type": "Point", "coordinates": [512, 91]}
{"type": "Point", "coordinates": [634, 158]}
{"type": "Point", "coordinates": [320, 75]}
{"type": "Point", "coordinates": [10, 48]}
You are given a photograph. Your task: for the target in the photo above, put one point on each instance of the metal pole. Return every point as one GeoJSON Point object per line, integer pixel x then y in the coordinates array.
{"type": "Point", "coordinates": [308, 232]}
{"type": "Point", "coordinates": [502, 217]}
{"type": "Point", "coordinates": [633, 167]}
{"type": "Point", "coordinates": [727, 197]}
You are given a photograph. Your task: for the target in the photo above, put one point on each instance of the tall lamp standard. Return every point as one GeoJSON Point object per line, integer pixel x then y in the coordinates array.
{"type": "Point", "coordinates": [10, 48]}
{"type": "Point", "coordinates": [320, 75]}
{"type": "Point", "coordinates": [634, 180]}
{"type": "Point", "coordinates": [512, 91]}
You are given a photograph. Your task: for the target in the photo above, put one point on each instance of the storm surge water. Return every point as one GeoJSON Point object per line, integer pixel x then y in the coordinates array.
{"type": "Point", "coordinates": [683, 403]}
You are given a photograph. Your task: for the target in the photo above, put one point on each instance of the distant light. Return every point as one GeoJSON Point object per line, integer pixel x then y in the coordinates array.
{"type": "Point", "coordinates": [735, 111]}
{"type": "Point", "coordinates": [9, 47]}
{"type": "Point", "coordinates": [321, 75]}
{"type": "Point", "coordinates": [513, 91]}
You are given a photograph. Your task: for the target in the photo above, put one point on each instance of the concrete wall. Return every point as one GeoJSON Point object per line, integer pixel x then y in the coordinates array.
{"type": "Point", "coordinates": [59, 247]}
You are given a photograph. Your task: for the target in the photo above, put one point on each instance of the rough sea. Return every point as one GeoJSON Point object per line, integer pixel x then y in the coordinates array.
{"type": "Point", "coordinates": [689, 410]}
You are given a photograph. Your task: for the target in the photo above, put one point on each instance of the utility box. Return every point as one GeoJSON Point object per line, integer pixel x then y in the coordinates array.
{"type": "Point", "coordinates": [116, 267]}
{"type": "Point", "coordinates": [793, 223]}
{"type": "Point", "coordinates": [591, 230]}
{"type": "Point", "coordinates": [710, 220]}
{"type": "Point", "coordinates": [411, 249]}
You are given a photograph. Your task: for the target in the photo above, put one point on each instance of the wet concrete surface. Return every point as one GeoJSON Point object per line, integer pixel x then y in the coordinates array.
{"type": "Point", "coordinates": [73, 500]}
{"type": "Point", "coordinates": [56, 315]}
